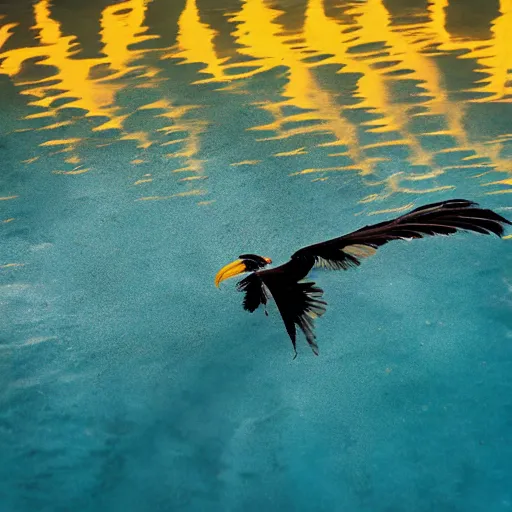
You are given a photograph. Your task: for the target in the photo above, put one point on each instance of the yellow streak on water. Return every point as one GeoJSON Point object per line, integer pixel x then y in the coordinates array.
{"type": "Point", "coordinates": [399, 209]}
{"type": "Point", "coordinates": [245, 162]}
{"type": "Point", "coordinates": [188, 193]}
{"type": "Point", "coordinates": [5, 32]}
{"type": "Point", "coordinates": [322, 169]}
{"type": "Point", "coordinates": [494, 55]}
{"type": "Point", "coordinates": [259, 34]}
{"type": "Point", "coordinates": [121, 28]}
{"type": "Point", "coordinates": [505, 191]}
{"type": "Point", "coordinates": [30, 160]}
{"type": "Point", "coordinates": [194, 178]}
{"type": "Point", "coordinates": [404, 51]}
{"type": "Point", "coordinates": [264, 39]}
{"type": "Point", "coordinates": [181, 122]}
{"type": "Point", "coordinates": [56, 125]}
{"type": "Point", "coordinates": [294, 152]}
{"type": "Point", "coordinates": [73, 172]}
{"type": "Point", "coordinates": [60, 142]}
{"type": "Point", "coordinates": [367, 46]}
{"type": "Point", "coordinates": [373, 86]}
{"type": "Point", "coordinates": [195, 42]}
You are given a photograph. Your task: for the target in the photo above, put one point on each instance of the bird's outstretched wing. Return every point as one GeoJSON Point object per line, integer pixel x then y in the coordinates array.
{"type": "Point", "coordinates": [444, 218]}
{"type": "Point", "coordinates": [298, 302]}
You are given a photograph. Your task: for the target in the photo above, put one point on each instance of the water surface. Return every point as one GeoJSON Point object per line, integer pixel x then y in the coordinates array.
{"type": "Point", "coordinates": [144, 145]}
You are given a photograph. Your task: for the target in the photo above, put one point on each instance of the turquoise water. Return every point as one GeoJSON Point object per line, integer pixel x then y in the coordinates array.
{"type": "Point", "coordinates": [144, 145]}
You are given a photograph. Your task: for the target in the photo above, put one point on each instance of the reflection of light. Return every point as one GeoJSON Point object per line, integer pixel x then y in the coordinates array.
{"type": "Point", "coordinates": [405, 53]}
{"type": "Point", "coordinates": [496, 59]}
{"type": "Point", "coordinates": [72, 85]}
{"type": "Point", "coordinates": [6, 32]}
{"type": "Point", "coordinates": [188, 147]}
{"type": "Point", "coordinates": [262, 38]}
{"type": "Point", "coordinates": [402, 52]}
{"type": "Point", "coordinates": [73, 75]}
{"type": "Point", "coordinates": [328, 36]}
{"type": "Point", "coordinates": [399, 183]}
{"type": "Point", "coordinates": [374, 26]}
{"type": "Point", "coordinates": [195, 42]}
{"type": "Point", "coordinates": [245, 162]}
{"type": "Point", "coordinates": [399, 209]}
{"type": "Point", "coordinates": [293, 152]}
{"type": "Point", "coordinates": [122, 25]}
{"type": "Point", "coordinates": [259, 34]}
{"type": "Point", "coordinates": [188, 193]}
{"type": "Point", "coordinates": [494, 55]}
{"type": "Point", "coordinates": [439, 102]}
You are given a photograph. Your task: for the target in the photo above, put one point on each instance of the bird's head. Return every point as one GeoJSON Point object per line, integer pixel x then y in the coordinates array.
{"type": "Point", "coordinates": [244, 263]}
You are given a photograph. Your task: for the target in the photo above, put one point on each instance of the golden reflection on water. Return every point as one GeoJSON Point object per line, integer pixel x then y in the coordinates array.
{"type": "Point", "coordinates": [195, 43]}
{"type": "Point", "coordinates": [395, 94]}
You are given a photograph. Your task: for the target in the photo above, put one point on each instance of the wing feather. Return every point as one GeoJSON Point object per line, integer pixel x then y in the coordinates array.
{"type": "Point", "coordinates": [299, 303]}
{"type": "Point", "coordinates": [255, 293]}
{"type": "Point", "coordinates": [443, 218]}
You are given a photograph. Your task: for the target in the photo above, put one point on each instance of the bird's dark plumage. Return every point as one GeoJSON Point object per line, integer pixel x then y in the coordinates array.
{"type": "Point", "coordinates": [300, 302]}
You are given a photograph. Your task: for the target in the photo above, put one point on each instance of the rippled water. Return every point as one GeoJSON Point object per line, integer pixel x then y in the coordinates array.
{"type": "Point", "coordinates": [145, 144]}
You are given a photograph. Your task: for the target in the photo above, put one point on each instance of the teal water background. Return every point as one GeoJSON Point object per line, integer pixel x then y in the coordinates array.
{"type": "Point", "coordinates": [144, 145]}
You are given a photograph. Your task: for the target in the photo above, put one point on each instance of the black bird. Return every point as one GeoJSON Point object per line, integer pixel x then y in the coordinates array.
{"type": "Point", "coordinates": [300, 302]}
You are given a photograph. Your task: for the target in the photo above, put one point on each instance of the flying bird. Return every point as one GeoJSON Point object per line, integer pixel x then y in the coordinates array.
{"type": "Point", "coordinates": [300, 302]}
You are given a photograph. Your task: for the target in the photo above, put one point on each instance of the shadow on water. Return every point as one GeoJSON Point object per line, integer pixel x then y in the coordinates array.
{"type": "Point", "coordinates": [145, 143]}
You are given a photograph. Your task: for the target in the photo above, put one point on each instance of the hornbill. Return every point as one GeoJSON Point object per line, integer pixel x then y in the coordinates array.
{"type": "Point", "coordinates": [300, 302]}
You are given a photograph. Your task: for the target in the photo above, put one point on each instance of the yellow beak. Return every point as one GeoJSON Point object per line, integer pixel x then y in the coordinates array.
{"type": "Point", "coordinates": [231, 270]}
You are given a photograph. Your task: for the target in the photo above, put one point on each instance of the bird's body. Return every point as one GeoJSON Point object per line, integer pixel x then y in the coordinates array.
{"type": "Point", "coordinates": [300, 302]}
